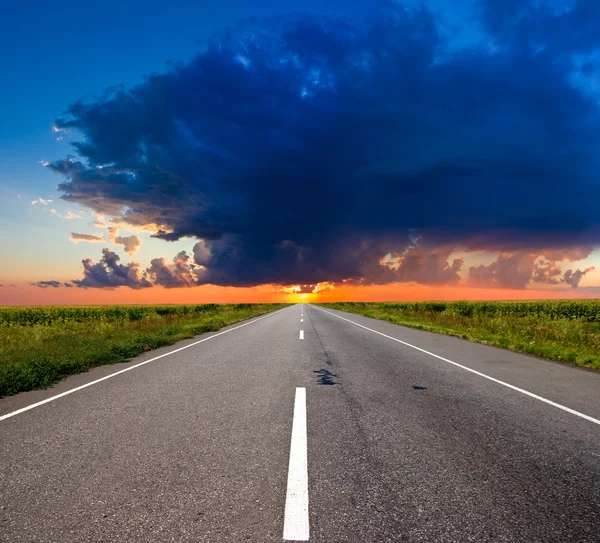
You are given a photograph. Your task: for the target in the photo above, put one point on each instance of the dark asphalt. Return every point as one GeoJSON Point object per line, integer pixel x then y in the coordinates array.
{"type": "Point", "coordinates": [402, 446]}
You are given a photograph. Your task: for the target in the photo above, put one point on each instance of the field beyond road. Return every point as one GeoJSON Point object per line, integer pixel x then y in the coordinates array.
{"type": "Point", "coordinates": [39, 346]}
{"type": "Point", "coordinates": [563, 330]}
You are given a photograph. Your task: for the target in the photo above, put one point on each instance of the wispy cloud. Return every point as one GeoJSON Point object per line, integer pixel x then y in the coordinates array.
{"type": "Point", "coordinates": [41, 201]}
{"type": "Point", "coordinates": [91, 238]}
{"type": "Point", "coordinates": [46, 284]}
{"type": "Point", "coordinates": [99, 222]}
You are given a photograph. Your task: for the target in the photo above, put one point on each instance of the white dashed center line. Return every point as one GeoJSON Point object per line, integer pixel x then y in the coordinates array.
{"type": "Point", "coordinates": [301, 334]}
{"type": "Point", "coordinates": [295, 524]}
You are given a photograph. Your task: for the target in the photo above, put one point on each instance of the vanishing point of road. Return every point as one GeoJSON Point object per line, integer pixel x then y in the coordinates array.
{"type": "Point", "coordinates": [307, 424]}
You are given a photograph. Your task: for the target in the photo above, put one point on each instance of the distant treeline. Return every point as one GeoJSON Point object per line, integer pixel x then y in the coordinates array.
{"type": "Point", "coordinates": [29, 316]}
{"type": "Point", "coordinates": [587, 310]}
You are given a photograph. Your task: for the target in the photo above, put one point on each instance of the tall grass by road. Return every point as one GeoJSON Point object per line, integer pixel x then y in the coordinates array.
{"type": "Point", "coordinates": [563, 330]}
{"type": "Point", "coordinates": [39, 346]}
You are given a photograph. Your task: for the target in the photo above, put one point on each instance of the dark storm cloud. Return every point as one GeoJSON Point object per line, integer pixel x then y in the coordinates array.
{"type": "Point", "coordinates": [421, 264]}
{"type": "Point", "coordinates": [573, 277]}
{"type": "Point", "coordinates": [547, 272]}
{"type": "Point", "coordinates": [108, 273]}
{"type": "Point", "coordinates": [563, 27]}
{"type": "Point", "coordinates": [304, 149]}
{"type": "Point", "coordinates": [507, 271]}
{"type": "Point", "coordinates": [517, 270]}
{"type": "Point", "coordinates": [182, 272]}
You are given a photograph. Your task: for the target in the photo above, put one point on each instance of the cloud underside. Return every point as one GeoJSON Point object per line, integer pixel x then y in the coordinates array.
{"type": "Point", "coordinates": [508, 271]}
{"type": "Point", "coordinates": [303, 150]}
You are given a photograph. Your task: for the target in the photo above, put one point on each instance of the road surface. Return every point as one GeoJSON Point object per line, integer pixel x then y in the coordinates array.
{"type": "Point", "coordinates": [307, 423]}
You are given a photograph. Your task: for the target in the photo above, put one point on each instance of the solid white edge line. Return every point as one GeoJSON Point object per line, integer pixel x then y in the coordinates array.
{"type": "Point", "coordinates": [301, 334]}
{"type": "Point", "coordinates": [508, 385]}
{"type": "Point", "coordinates": [295, 523]}
{"type": "Point", "coordinates": [66, 393]}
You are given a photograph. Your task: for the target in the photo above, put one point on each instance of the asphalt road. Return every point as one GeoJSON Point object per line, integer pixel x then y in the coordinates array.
{"type": "Point", "coordinates": [344, 435]}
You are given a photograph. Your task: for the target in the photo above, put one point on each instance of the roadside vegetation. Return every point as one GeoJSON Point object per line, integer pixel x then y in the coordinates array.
{"type": "Point", "coordinates": [39, 346]}
{"type": "Point", "coordinates": [563, 330]}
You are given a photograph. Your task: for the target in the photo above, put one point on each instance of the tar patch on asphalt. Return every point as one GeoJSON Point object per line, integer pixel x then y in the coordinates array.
{"type": "Point", "coordinates": [326, 377]}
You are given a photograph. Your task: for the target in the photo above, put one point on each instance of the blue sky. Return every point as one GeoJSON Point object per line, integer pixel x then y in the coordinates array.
{"type": "Point", "coordinates": [486, 111]}
{"type": "Point", "coordinates": [63, 51]}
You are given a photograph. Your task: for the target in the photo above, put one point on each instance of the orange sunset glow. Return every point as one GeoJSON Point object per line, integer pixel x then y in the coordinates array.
{"type": "Point", "coordinates": [31, 295]}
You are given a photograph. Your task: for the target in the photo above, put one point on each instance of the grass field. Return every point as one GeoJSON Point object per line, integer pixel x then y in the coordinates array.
{"type": "Point", "coordinates": [39, 346]}
{"type": "Point", "coordinates": [567, 331]}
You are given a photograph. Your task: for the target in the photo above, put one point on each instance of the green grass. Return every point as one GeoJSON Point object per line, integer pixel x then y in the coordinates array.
{"type": "Point", "coordinates": [39, 346]}
{"type": "Point", "coordinates": [562, 330]}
